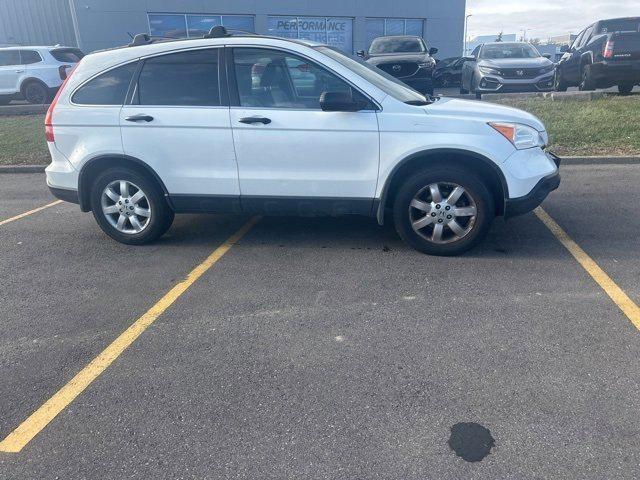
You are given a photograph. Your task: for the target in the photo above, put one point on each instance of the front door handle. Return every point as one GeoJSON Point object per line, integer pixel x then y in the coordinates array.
{"type": "Point", "coordinates": [140, 118]}
{"type": "Point", "coordinates": [251, 120]}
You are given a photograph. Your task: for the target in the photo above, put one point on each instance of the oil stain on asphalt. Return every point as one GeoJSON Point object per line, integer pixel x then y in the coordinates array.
{"type": "Point", "coordinates": [471, 441]}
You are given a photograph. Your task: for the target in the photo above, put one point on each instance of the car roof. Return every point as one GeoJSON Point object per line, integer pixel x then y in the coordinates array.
{"type": "Point", "coordinates": [36, 47]}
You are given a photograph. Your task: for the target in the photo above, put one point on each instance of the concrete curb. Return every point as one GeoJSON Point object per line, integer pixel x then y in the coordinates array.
{"type": "Point", "coordinates": [10, 110]}
{"type": "Point", "coordinates": [600, 160]}
{"type": "Point", "coordinates": [22, 168]}
{"type": "Point", "coordinates": [565, 161]}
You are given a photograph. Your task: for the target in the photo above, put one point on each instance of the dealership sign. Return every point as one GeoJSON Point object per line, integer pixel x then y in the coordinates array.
{"type": "Point", "coordinates": [337, 32]}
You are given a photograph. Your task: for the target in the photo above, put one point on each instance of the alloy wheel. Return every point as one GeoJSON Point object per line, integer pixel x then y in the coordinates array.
{"type": "Point", "coordinates": [125, 207]}
{"type": "Point", "coordinates": [443, 212]}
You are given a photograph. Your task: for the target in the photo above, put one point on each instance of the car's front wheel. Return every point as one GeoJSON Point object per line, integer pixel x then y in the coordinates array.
{"type": "Point", "coordinates": [129, 208]}
{"type": "Point", "coordinates": [559, 85]}
{"type": "Point", "coordinates": [625, 89]}
{"type": "Point", "coordinates": [443, 211]}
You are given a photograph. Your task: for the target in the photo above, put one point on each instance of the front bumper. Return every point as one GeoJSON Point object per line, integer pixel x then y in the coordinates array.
{"type": "Point", "coordinates": [497, 84]}
{"type": "Point", "coordinates": [521, 205]}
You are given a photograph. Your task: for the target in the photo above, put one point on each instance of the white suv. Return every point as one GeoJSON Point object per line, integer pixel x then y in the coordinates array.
{"type": "Point", "coordinates": [254, 124]}
{"type": "Point", "coordinates": [34, 73]}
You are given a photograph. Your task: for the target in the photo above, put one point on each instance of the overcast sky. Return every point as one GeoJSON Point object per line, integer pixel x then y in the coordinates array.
{"type": "Point", "coordinates": [543, 18]}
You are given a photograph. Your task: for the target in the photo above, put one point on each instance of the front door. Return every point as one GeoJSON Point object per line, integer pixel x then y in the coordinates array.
{"type": "Point", "coordinates": [292, 156]}
{"type": "Point", "coordinates": [177, 124]}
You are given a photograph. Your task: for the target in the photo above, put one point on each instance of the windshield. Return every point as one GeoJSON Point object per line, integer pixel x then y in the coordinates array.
{"type": "Point", "coordinates": [497, 51]}
{"type": "Point", "coordinates": [385, 82]}
{"type": "Point", "coordinates": [380, 46]}
{"type": "Point", "coordinates": [620, 25]}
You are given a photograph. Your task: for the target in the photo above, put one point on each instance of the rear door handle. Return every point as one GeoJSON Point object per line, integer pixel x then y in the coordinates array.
{"type": "Point", "coordinates": [251, 120]}
{"type": "Point", "coordinates": [140, 118]}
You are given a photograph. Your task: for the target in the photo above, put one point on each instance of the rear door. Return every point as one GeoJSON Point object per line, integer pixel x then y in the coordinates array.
{"type": "Point", "coordinates": [293, 157]}
{"type": "Point", "coordinates": [177, 122]}
{"type": "Point", "coordinates": [10, 72]}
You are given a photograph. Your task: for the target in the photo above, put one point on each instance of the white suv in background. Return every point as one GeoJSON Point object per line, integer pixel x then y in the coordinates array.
{"type": "Point", "coordinates": [254, 124]}
{"type": "Point", "coordinates": [34, 73]}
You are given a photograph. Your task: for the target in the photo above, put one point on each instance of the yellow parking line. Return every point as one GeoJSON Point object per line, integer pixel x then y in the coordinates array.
{"type": "Point", "coordinates": [28, 429]}
{"type": "Point", "coordinates": [628, 306]}
{"type": "Point", "coordinates": [30, 212]}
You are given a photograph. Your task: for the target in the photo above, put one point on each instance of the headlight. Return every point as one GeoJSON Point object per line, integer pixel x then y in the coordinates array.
{"type": "Point", "coordinates": [489, 70]}
{"type": "Point", "coordinates": [547, 69]}
{"type": "Point", "coordinates": [521, 136]}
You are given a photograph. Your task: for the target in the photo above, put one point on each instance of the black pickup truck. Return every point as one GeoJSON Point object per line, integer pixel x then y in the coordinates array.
{"type": "Point", "coordinates": [605, 54]}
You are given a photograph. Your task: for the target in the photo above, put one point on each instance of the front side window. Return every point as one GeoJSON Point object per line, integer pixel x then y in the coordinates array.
{"type": "Point", "coordinates": [381, 79]}
{"type": "Point", "coordinates": [273, 79]}
{"type": "Point", "coordinates": [110, 88]}
{"type": "Point", "coordinates": [28, 57]}
{"type": "Point", "coordinates": [9, 58]}
{"type": "Point", "coordinates": [185, 78]}
{"type": "Point", "coordinates": [508, 50]}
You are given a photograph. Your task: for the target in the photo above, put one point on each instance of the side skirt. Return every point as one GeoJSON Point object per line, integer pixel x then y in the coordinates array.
{"type": "Point", "coordinates": [271, 205]}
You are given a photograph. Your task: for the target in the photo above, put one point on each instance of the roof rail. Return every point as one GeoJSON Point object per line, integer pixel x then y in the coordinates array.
{"type": "Point", "coordinates": [221, 32]}
{"type": "Point", "coordinates": [140, 39]}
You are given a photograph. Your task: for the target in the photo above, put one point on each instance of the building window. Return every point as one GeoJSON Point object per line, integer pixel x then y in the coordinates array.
{"type": "Point", "coordinates": [380, 27]}
{"type": "Point", "coordinates": [333, 31]}
{"type": "Point", "coordinates": [195, 26]}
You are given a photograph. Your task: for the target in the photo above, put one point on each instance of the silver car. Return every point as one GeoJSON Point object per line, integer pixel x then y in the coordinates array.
{"type": "Point", "coordinates": [507, 67]}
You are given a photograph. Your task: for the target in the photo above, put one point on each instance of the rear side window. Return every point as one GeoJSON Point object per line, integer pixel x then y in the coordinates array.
{"type": "Point", "coordinates": [67, 55]}
{"type": "Point", "coordinates": [29, 56]}
{"type": "Point", "coordinates": [185, 79]}
{"type": "Point", "coordinates": [9, 57]}
{"type": "Point", "coordinates": [110, 88]}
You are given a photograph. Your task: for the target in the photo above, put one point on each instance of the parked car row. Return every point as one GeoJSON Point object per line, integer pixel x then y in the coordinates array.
{"type": "Point", "coordinates": [605, 54]}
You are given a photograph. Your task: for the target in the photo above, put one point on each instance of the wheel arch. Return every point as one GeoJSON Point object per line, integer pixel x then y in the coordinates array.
{"type": "Point", "coordinates": [26, 81]}
{"type": "Point", "coordinates": [472, 161]}
{"type": "Point", "coordinates": [98, 164]}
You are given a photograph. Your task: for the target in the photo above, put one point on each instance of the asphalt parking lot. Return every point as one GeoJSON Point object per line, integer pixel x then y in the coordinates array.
{"type": "Point", "coordinates": [324, 348]}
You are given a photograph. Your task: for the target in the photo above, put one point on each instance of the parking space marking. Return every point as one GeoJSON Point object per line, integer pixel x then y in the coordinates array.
{"type": "Point", "coordinates": [38, 420]}
{"type": "Point", "coordinates": [30, 212]}
{"type": "Point", "coordinates": [628, 306]}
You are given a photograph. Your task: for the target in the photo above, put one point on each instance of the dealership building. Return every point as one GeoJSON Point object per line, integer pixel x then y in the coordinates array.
{"type": "Point", "coordinates": [349, 25]}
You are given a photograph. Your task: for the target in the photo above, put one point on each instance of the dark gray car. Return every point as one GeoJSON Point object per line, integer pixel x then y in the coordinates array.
{"type": "Point", "coordinates": [507, 67]}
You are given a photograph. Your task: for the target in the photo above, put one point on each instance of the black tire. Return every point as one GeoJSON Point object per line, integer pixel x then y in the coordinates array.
{"type": "Point", "coordinates": [625, 89]}
{"type": "Point", "coordinates": [36, 93]}
{"type": "Point", "coordinates": [445, 81]}
{"type": "Point", "coordinates": [161, 216]}
{"type": "Point", "coordinates": [419, 181]}
{"type": "Point", "coordinates": [586, 79]}
{"type": "Point", "coordinates": [559, 85]}
{"type": "Point", "coordinates": [463, 91]}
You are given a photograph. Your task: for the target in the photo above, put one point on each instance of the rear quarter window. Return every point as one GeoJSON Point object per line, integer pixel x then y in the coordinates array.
{"type": "Point", "coordinates": [29, 57]}
{"type": "Point", "coordinates": [109, 88]}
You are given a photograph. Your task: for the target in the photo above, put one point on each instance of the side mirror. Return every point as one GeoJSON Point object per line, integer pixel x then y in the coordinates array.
{"type": "Point", "coordinates": [360, 53]}
{"type": "Point", "coordinates": [339, 102]}
{"type": "Point", "coordinates": [565, 48]}
{"type": "Point", "coordinates": [547, 55]}
{"type": "Point", "coordinates": [433, 51]}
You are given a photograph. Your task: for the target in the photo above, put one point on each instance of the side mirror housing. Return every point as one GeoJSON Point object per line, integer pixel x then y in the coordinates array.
{"type": "Point", "coordinates": [547, 55]}
{"type": "Point", "coordinates": [433, 51]}
{"type": "Point", "coordinates": [361, 53]}
{"type": "Point", "coordinates": [339, 102]}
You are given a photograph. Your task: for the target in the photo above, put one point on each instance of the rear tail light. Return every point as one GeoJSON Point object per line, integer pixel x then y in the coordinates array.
{"type": "Point", "coordinates": [62, 71]}
{"type": "Point", "coordinates": [608, 49]}
{"type": "Point", "coordinates": [48, 120]}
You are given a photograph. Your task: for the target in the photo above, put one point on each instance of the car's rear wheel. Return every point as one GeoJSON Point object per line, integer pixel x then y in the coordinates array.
{"type": "Point", "coordinates": [129, 208]}
{"type": "Point", "coordinates": [443, 211]}
{"type": "Point", "coordinates": [36, 93]}
{"type": "Point", "coordinates": [625, 89]}
{"type": "Point", "coordinates": [586, 82]}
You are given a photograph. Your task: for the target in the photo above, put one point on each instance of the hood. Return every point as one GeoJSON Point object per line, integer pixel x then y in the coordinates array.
{"type": "Point", "coordinates": [398, 57]}
{"type": "Point", "coordinates": [488, 112]}
{"type": "Point", "coordinates": [538, 62]}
